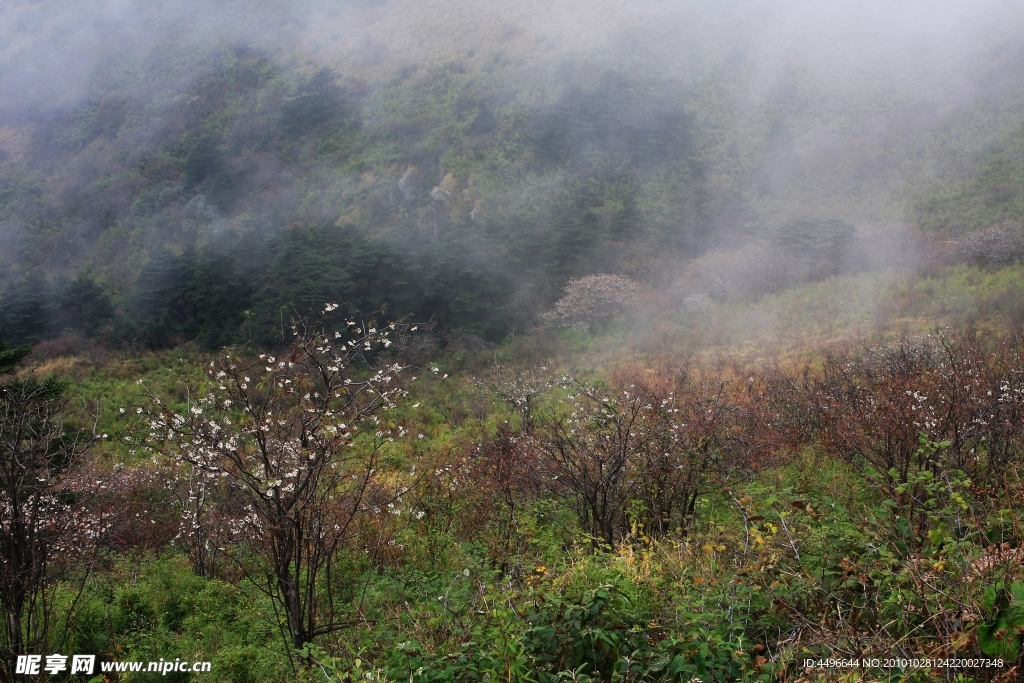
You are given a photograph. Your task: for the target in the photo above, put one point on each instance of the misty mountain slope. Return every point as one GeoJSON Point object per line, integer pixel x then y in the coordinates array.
{"type": "Point", "coordinates": [988, 189]}
{"type": "Point", "coordinates": [191, 174]}
{"type": "Point", "coordinates": [430, 168]}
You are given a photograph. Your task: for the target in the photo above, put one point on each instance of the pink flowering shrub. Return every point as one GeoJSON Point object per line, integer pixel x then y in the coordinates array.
{"type": "Point", "coordinates": [592, 302]}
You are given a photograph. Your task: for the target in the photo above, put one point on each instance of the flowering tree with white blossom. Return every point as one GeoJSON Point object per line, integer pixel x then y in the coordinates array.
{"type": "Point", "coordinates": [45, 513]}
{"type": "Point", "coordinates": [284, 450]}
{"type": "Point", "coordinates": [517, 387]}
{"type": "Point", "coordinates": [591, 302]}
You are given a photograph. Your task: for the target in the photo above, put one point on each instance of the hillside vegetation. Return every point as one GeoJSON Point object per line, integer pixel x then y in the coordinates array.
{"type": "Point", "coordinates": [235, 179]}
{"type": "Point", "coordinates": [782, 498]}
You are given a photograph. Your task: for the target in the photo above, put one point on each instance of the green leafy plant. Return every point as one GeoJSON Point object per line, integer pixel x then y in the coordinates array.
{"type": "Point", "coordinates": [1002, 633]}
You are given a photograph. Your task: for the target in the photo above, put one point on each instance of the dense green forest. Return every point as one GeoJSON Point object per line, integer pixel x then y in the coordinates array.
{"type": "Point", "coordinates": [398, 340]}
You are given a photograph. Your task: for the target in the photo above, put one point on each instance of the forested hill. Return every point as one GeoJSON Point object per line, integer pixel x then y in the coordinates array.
{"type": "Point", "coordinates": [163, 180]}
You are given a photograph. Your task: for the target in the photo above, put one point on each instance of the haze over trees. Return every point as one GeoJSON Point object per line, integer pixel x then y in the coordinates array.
{"type": "Point", "coordinates": [230, 177]}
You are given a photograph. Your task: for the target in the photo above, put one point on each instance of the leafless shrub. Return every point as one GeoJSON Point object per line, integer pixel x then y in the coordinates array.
{"type": "Point", "coordinates": [694, 447]}
{"type": "Point", "coordinates": [640, 458]}
{"type": "Point", "coordinates": [461, 340]}
{"type": "Point", "coordinates": [592, 456]}
{"type": "Point", "coordinates": [62, 346]}
{"type": "Point", "coordinates": [415, 343]}
{"type": "Point", "coordinates": [141, 505]}
{"type": "Point", "coordinates": [517, 387]}
{"type": "Point", "coordinates": [877, 406]}
{"type": "Point", "coordinates": [504, 480]}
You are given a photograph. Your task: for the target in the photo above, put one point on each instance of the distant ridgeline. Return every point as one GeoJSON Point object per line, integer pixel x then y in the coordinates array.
{"type": "Point", "coordinates": [208, 198]}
